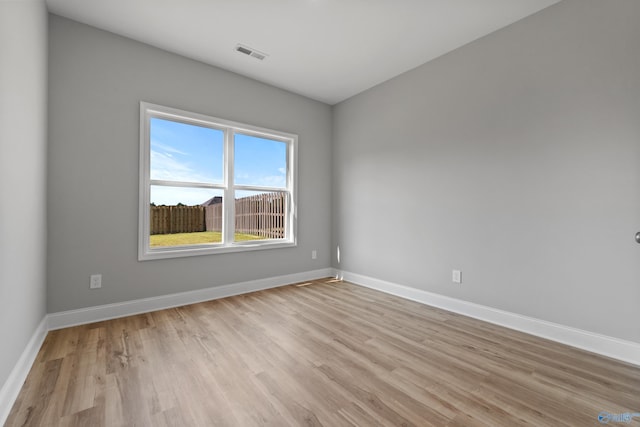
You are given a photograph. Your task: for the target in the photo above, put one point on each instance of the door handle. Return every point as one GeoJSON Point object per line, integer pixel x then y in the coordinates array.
{"type": "Point", "coordinates": [638, 237]}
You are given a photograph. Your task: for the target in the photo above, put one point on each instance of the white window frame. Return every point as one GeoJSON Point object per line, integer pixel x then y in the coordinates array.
{"type": "Point", "coordinates": [230, 128]}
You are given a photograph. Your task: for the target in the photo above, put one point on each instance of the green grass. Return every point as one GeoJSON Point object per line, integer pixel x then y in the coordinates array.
{"type": "Point", "coordinates": [181, 239]}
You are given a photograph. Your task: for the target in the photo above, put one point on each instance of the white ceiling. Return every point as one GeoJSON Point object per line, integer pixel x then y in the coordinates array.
{"type": "Point", "coordinates": [328, 50]}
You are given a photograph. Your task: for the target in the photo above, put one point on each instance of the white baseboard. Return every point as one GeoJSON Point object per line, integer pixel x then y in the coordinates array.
{"type": "Point", "coordinates": [83, 316]}
{"type": "Point", "coordinates": [12, 386]}
{"type": "Point", "coordinates": [626, 351]}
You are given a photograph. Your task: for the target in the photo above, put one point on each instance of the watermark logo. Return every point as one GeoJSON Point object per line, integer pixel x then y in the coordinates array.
{"type": "Point", "coordinates": [626, 417]}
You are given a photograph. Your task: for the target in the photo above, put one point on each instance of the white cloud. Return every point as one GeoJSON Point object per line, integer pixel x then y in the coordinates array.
{"type": "Point", "coordinates": [272, 181]}
{"type": "Point", "coordinates": [167, 148]}
{"type": "Point", "coordinates": [166, 167]}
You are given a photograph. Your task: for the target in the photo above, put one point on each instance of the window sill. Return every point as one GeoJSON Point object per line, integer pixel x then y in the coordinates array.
{"type": "Point", "coordinates": [200, 250]}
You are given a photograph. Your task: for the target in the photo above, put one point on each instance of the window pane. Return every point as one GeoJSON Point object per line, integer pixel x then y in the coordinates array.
{"type": "Point", "coordinates": [185, 152]}
{"type": "Point", "coordinates": [260, 215]}
{"type": "Point", "coordinates": [260, 161]}
{"type": "Point", "coordinates": [184, 216]}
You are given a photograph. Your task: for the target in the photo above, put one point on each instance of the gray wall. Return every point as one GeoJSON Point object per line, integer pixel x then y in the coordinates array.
{"type": "Point", "coordinates": [515, 159]}
{"type": "Point", "coordinates": [97, 80]}
{"type": "Point", "coordinates": [23, 100]}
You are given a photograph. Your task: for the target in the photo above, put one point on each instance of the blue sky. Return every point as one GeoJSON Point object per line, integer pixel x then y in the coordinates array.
{"type": "Point", "coordinates": [189, 153]}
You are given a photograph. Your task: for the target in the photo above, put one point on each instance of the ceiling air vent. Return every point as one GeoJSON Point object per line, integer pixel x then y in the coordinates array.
{"type": "Point", "coordinates": [250, 52]}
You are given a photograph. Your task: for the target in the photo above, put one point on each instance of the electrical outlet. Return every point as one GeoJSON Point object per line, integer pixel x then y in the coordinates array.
{"type": "Point", "coordinates": [456, 276]}
{"type": "Point", "coordinates": [96, 281]}
{"type": "Point", "coordinates": [314, 254]}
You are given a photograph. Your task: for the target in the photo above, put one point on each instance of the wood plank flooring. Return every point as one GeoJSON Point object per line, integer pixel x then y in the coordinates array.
{"type": "Point", "coordinates": [319, 353]}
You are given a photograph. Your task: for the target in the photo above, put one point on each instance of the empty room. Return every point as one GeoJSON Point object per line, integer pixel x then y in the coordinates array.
{"type": "Point", "coordinates": [319, 212]}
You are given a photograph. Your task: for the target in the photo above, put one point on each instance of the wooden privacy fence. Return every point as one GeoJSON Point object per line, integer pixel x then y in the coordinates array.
{"type": "Point", "coordinates": [213, 217]}
{"type": "Point", "coordinates": [176, 219]}
{"type": "Point", "coordinates": [260, 215]}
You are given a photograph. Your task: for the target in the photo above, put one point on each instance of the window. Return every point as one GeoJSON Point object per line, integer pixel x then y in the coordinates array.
{"type": "Point", "coordinates": [209, 185]}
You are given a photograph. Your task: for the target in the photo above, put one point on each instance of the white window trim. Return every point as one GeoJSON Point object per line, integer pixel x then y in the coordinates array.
{"type": "Point", "coordinates": [145, 252]}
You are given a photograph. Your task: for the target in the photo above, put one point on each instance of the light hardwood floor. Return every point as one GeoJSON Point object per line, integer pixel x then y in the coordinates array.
{"type": "Point", "coordinates": [320, 353]}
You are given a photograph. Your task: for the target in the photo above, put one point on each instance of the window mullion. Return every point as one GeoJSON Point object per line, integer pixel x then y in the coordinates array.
{"type": "Point", "coordinates": [228, 226]}
{"type": "Point", "coordinates": [184, 184]}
